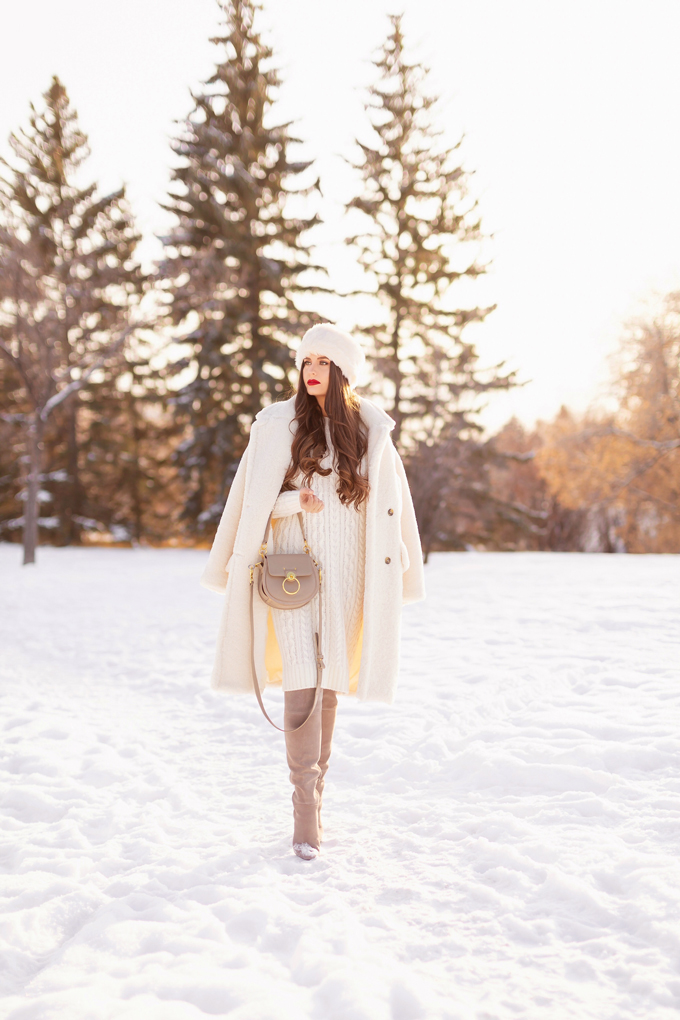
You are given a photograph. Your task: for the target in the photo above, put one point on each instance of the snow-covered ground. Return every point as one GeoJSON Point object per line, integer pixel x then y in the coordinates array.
{"type": "Point", "coordinates": [502, 843]}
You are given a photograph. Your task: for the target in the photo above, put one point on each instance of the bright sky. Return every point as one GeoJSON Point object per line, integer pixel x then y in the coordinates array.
{"type": "Point", "coordinates": [570, 111]}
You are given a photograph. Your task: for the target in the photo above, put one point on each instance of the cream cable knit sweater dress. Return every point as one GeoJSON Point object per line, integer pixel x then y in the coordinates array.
{"type": "Point", "coordinates": [337, 539]}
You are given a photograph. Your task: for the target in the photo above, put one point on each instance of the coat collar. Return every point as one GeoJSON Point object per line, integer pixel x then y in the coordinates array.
{"type": "Point", "coordinates": [374, 416]}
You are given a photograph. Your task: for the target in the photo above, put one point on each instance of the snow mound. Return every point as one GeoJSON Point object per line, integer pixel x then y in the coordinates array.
{"type": "Point", "coordinates": [501, 843]}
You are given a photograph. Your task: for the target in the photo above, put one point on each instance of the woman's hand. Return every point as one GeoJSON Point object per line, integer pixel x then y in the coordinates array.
{"type": "Point", "coordinates": [309, 502]}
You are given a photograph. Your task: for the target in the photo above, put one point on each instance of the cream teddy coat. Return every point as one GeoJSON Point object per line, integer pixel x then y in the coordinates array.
{"type": "Point", "coordinates": [393, 570]}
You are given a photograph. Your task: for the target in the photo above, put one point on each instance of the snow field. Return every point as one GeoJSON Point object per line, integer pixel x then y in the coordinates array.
{"type": "Point", "coordinates": [501, 843]}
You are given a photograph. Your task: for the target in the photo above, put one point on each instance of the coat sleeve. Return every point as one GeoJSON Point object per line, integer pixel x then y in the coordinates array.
{"type": "Point", "coordinates": [215, 573]}
{"type": "Point", "coordinates": [414, 574]}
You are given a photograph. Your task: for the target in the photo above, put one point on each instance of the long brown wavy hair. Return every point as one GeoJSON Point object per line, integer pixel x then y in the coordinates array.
{"type": "Point", "coordinates": [348, 433]}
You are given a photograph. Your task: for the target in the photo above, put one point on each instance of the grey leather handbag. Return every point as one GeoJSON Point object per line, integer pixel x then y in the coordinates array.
{"type": "Point", "coordinates": [286, 581]}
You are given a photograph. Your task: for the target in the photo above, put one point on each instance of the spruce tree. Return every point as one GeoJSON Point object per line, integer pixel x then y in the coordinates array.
{"type": "Point", "coordinates": [69, 286]}
{"type": "Point", "coordinates": [233, 261]}
{"type": "Point", "coordinates": [125, 433]}
{"type": "Point", "coordinates": [420, 221]}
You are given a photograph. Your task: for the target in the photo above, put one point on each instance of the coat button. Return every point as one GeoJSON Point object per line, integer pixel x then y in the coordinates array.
{"type": "Point", "coordinates": [390, 512]}
{"type": "Point", "coordinates": [387, 559]}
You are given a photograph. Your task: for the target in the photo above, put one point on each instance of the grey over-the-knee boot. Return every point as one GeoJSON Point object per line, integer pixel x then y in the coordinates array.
{"type": "Point", "coordinates": [328, 712]}
{"type": "Point", "coordinates": [308, 751]}
{"type": "Point", "coordinates": [303, 749]}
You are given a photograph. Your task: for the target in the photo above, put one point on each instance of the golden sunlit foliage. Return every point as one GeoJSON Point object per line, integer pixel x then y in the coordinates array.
{"type": "Point", "coordinates": [627, 464]}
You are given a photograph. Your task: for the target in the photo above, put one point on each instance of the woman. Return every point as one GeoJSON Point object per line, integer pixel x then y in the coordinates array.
{"type": "Point", "coordinates": [328, 453]}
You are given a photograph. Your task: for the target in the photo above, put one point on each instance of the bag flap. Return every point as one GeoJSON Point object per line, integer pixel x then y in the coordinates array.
{"type": "Point", "coordinates": [280, 564]}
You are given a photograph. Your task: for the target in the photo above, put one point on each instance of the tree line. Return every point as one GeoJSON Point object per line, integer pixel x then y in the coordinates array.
{"type": "Point", "coordinates": [127, 393]}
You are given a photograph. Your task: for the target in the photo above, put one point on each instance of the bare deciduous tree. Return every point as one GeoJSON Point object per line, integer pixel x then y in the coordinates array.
{"type": "Point", "coordinates": [623, 466]}
{"type": "Point", "coordinates": [68, 284]}
{"type": "Point", "coordinates": [45, 389]}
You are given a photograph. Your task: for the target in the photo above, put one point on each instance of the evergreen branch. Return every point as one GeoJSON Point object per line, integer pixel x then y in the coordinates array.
{"type": "Point", "coordinates": [77, 384]}
{"type": "Point", "coordinates": [18, 364]}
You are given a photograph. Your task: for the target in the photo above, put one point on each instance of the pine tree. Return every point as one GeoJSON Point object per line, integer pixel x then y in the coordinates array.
{"type": "Point", "coordinates": [69, 285]}
{"type": "Point", "coordinates": [233, 262]}
{"type": "Point", "coordinates": [414, 248]}
{"type": "Point", "coordinates": [125, 439]}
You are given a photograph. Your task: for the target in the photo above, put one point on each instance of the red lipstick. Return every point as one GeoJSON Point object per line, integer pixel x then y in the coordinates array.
{"type": "Point", "coordinates": [312, 382]}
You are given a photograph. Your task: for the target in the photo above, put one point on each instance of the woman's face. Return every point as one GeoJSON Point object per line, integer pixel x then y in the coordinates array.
{"type": "Point", "coordinates": [316, 370]}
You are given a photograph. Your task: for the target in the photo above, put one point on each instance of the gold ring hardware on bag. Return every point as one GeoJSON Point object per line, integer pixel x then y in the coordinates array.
{"type": "Point", "coordinates": [290, 577]}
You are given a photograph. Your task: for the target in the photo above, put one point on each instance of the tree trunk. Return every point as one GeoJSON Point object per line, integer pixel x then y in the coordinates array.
{"type": "Point", "coordinates": [31, 508]}
{"type": "Point", "coordinates": [396, 410]}
{"type": "Point", "coordinates": [135, 472]}
{"type": "Point", "coordinates": [72, 529]}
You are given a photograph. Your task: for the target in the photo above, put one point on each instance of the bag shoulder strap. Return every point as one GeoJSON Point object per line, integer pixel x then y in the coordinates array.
{"type": "Point", "coordinates": [319, 660]}
{"type": "Point", "coordinates": [317, 636]}
{"type": "Point", "coordinates": [265, 537]}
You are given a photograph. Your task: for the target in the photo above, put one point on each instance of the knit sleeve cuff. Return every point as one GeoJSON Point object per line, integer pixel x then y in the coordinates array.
{"type": "Point", "coordinates": [288, 503]}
